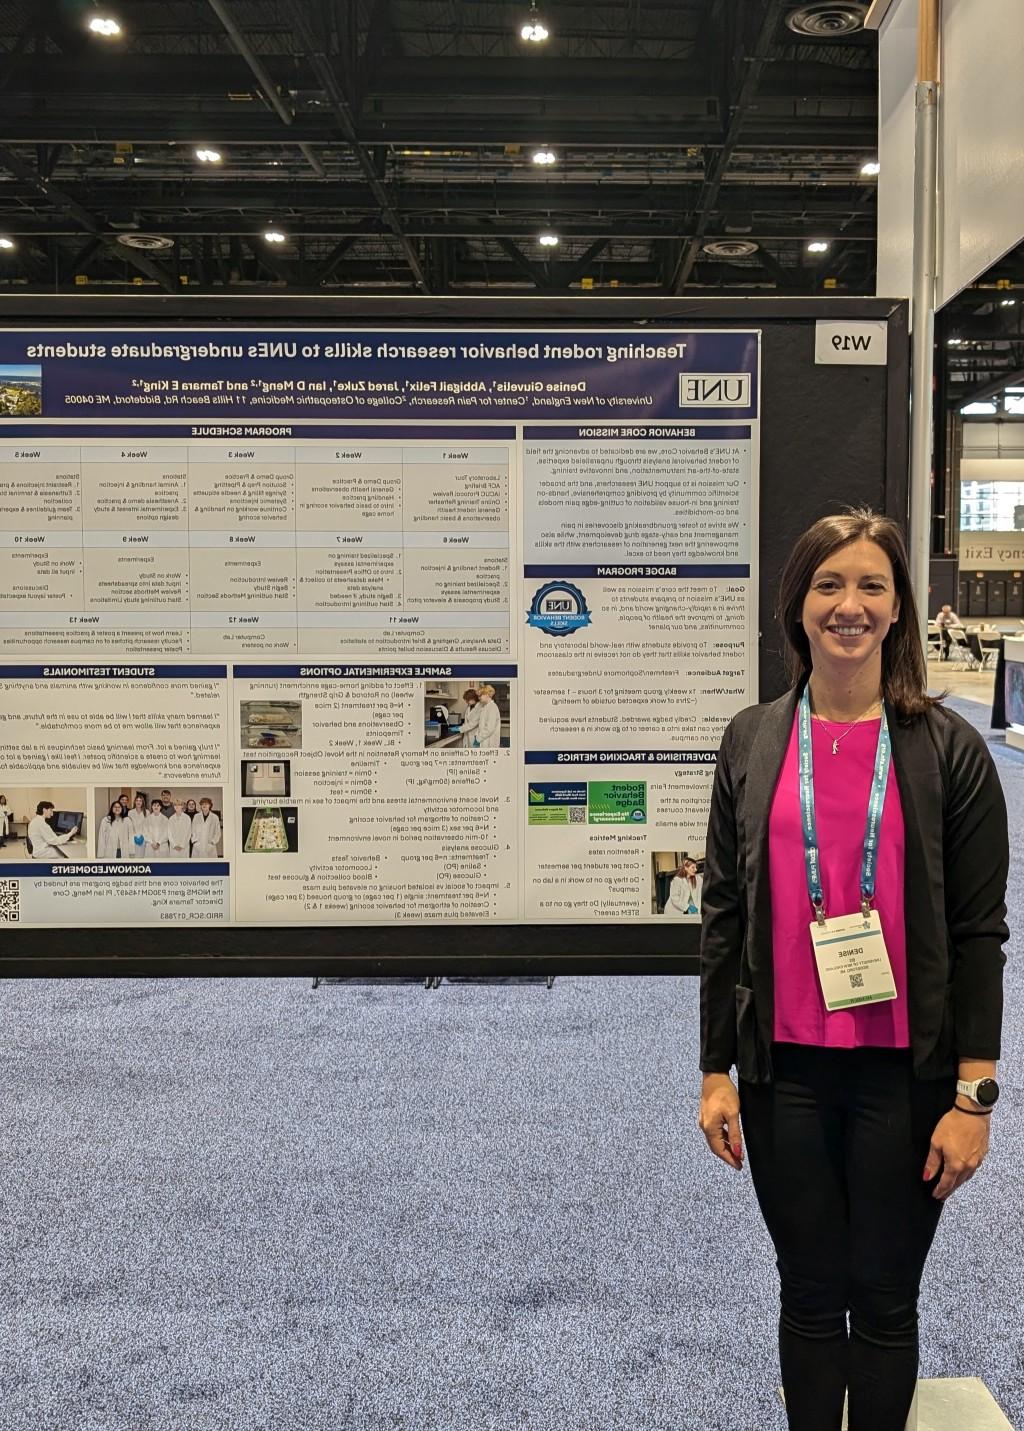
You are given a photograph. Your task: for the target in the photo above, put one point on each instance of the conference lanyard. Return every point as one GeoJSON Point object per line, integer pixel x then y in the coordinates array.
{"type": "Point", "coordinates": [808, 819]}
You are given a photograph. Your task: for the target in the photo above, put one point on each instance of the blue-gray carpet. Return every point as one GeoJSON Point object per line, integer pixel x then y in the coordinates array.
{"type": "Point", "coordinates": [246, 1204]}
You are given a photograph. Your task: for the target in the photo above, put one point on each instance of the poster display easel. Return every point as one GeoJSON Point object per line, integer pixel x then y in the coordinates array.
{"type": "Point", "coordinates": [399, 636]}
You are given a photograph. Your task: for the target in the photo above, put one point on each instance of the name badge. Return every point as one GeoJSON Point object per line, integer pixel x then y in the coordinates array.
{"type": "Point", "coordinates": [853, 962]}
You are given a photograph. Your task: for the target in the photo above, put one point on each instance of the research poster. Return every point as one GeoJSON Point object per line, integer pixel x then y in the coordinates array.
{"type": "Point", "coordinates": [369, 626]}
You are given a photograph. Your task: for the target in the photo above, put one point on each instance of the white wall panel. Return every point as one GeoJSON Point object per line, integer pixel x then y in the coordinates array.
{"type": "Point", "coordinates": [897, 68]}
{"type": "Point", "coordinates": [981, 151]}
{"type": "Point", "coordinates": [981, 138]}
{"type": "Point", "coordinates": [992, 469]}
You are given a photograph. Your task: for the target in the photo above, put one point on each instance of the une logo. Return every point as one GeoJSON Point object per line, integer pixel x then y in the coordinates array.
{"type": "Point", "coordinates": [714, 389]}
{"type": "Point", "coordinates": [558, 604]}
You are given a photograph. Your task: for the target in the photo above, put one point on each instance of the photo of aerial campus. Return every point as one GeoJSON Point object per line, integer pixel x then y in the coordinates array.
{"type": "Point", "coordinates": [21, 390]}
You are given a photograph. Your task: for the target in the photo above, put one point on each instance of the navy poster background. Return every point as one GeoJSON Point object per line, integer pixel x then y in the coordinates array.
{"type": "Point", "coordinates": [506, 374]}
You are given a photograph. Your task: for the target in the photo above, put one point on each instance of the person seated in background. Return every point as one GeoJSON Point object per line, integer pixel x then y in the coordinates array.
{"type": "Point", "coordinates": [44, 842]}
{"type": "Point", "coordinates": [946, 618]}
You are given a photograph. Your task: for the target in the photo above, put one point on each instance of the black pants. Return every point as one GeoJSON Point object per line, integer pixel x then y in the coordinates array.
{"type": "Point", "coordinates": [837, 1145]}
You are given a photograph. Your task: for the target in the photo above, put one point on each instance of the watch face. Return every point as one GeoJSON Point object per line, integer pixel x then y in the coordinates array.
{"type": "Point", "coordinates": [988, 1092]}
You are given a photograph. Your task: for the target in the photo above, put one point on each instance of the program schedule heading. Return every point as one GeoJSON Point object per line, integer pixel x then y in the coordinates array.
{"type": "Point", "coordinates": [353, 627]}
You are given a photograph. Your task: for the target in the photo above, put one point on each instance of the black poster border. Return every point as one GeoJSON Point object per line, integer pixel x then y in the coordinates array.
{"type": "Point", "coordinates": [395, 949]}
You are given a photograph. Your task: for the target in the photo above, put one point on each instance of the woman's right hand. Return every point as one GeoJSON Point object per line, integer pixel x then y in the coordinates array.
{"type": "Point", "coordinates": [719, 1118]}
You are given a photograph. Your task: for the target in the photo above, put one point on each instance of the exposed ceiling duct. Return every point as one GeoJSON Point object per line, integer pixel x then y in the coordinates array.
{"type": "Point", "coordinates": [147, 243]}
{"type": "Point", "coordinates": [826, 19]}
{"type": "Point", "coordinates": [730, 248]}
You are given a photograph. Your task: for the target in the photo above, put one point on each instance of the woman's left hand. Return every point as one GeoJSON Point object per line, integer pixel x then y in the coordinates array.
{"type": "Point", "coordinates": [959, 1145]}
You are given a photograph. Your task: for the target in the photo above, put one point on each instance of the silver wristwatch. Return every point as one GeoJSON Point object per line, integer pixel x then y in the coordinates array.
{"type": "Point", "coordinates": [983, 1091]}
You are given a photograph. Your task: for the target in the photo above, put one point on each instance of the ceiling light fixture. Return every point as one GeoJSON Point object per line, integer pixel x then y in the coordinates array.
{"type": "Point", "coordinates": [870, 168]}
{"type": "Point", "coordinates": [209, 156]}
{"type": "Point", "coordinates": [544, 156]}
{"type": "Point", "coordinates": [548, 240]}
{"type": "Point", "coordinates": [274, 236]}
{"type": "Point", "coordinates": [105, 25]}
{"type": "Point", "coordinates": [5, 242]}
{"type": "Point", "coordinates": [534, 28]}
{"type": "Point", "coordinates": [817, 246]}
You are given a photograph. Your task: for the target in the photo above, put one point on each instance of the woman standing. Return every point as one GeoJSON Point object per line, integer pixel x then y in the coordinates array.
{"type": "Point", "coordinates": [179, 832]}
{"type": "Point", "coordinates": [113, 839]}
{"type": "Point", "coordinates": [485, 725]}
{"type": "Point", "coordinates": [157, 832]}
{"type": "Point", "coordinates": [205, 832]}
{"type": "Point", "coordinates": [6, 821]}
{"type": "Point", "coordinates": [856, 989]}
{"type": "Point", "coordinates": [136, 818]}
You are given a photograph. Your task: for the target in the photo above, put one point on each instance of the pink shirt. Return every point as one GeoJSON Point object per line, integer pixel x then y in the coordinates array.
{"type": "Point", "coordinates": [842, 784]}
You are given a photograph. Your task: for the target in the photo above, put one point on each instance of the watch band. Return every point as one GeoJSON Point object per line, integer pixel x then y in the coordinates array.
{"type": "Point", "coordinates": [969, 1089]}
{"type": "Point", "coordinates": [973, 1112]}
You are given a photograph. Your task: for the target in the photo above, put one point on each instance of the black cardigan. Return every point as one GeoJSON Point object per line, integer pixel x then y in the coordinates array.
{"type": "Point", "coordinates": [954, 816]}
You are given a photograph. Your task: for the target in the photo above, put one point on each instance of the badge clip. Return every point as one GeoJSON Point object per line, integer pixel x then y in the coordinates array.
{"type": "Point", "coordinates": [819, 910]}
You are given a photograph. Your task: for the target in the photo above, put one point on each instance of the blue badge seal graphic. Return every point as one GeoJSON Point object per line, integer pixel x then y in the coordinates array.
{"type": "Point", "coordinates": [558, 608]}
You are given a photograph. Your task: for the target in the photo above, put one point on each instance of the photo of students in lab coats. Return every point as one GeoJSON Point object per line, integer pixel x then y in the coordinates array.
{"type": "Point", "coordinates": [181, 823]}
{"type": "Point", "coordinates": [57, 814]}
{"type": "Point", "coordinates": [466, 715]}
{"type": "Point", "coordinates": [114, 834]}
{"type": "Point", "coordinates": [677, 879]}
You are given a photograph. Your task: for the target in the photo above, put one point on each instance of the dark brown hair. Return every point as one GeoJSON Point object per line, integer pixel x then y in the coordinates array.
{"type": "Point", "coordinates": [904, 670]}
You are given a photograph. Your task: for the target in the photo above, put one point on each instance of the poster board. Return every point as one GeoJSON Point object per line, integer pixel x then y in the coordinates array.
{"type": "Point", "coordinates": [262, 569]}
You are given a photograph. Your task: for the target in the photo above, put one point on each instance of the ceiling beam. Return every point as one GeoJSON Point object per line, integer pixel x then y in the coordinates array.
{"type": "Point", "coordinates": [959, 395]}
{"type": "Point", "coordinates": [333, 226]}
{"type": "Point", "coordinates": [236, 124]}
{"type": "Point", "coordinates": [324, 71]}
{"type": "Point", "coordinates": [581, 265]}
{"type": "Point", "coordinates": [533, 271]}
{"type": "Point", "coordinates": [328, 265]}
{"type": "Point", "coordinates": [209, 78]}
{"type": "Point", "coordinates": [129, 196]}
{"type": "Point", "coordinates": [58, 199]}
{"type": "Point", "coordinates": [754, 63]}
{"type": "Point", "coordinates": [268, 89]}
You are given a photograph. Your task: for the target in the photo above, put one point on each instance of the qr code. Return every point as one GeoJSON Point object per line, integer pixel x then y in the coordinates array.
{"type": "Point", "coordinates": [10, 895]}
{"type": "Point", "coordinates": [577, 814]}
{"type": "Point", "coordinates": [856, 981]}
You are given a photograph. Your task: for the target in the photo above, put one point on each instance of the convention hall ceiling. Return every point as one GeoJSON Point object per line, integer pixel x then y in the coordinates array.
{"type": "Point", "coordinates": [699, 146]}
